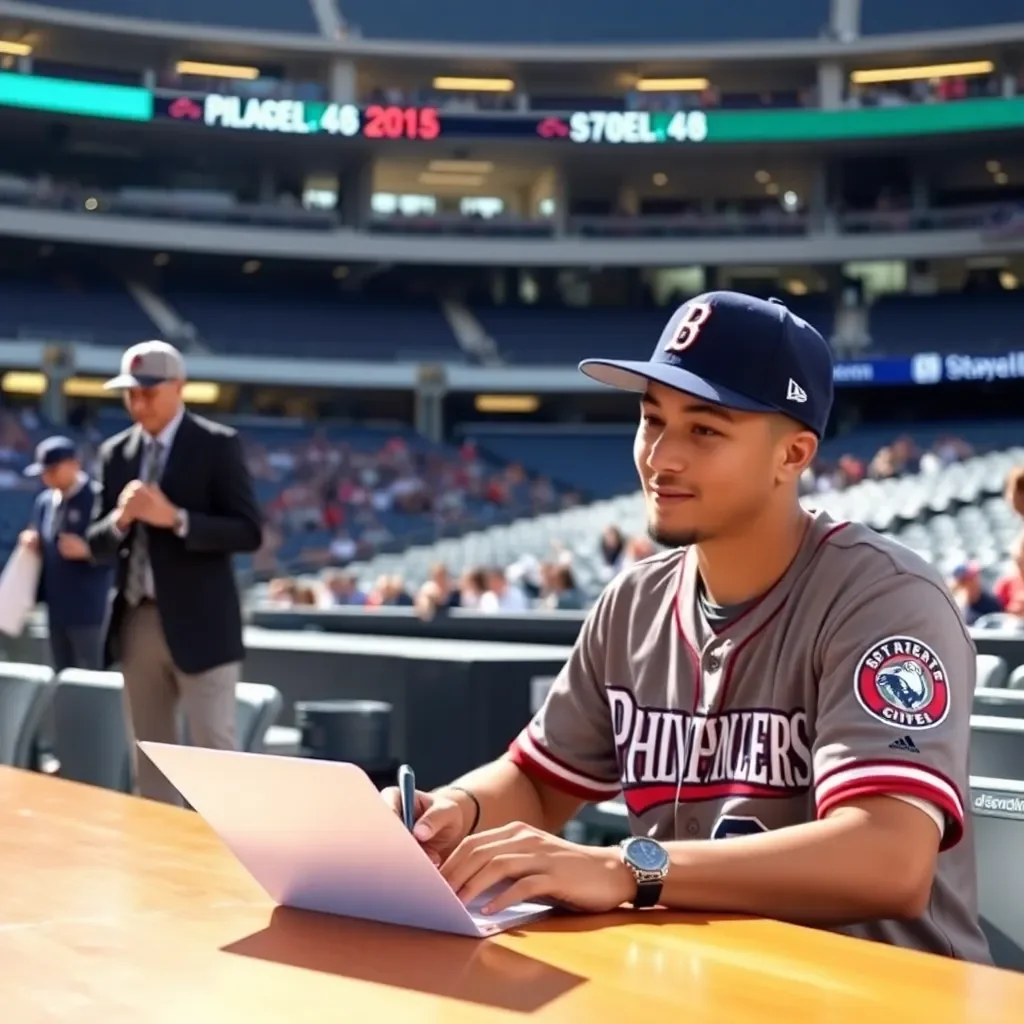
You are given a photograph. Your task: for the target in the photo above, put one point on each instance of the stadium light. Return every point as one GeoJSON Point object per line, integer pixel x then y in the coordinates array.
{"type": "Point", "coordinates": [474, 84]}
{"type": "Point", "coordinates": [506, 403]}
{"type": "Point", "coordinates": [455, 180]}
{"type": "Point", "coordinates": [15, 49]}
{"type": "Point", "coordinates": [672, 84]}
{"type": "Point", "coordinates": [913, 74]}
{"type": "Point", "coordinates": [461, 166]}
{"type": "Point", "coordinates": [30, 382]}
{"type": "Point", "coordinates": [198, 67]}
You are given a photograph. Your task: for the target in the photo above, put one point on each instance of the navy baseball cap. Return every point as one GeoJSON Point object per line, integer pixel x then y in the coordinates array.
{"type": "Point", "coordinates": [50, 453]}
{"type": "Point", "coordinates": [739, 352]}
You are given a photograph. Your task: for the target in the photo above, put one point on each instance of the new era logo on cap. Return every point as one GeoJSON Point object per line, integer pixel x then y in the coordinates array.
{"type": "Point", "coordinates": [795, 393]}
{"type": "Point", "coordinates": [147, 364]}
{"type": "Point", "coordinates": [737, 351]}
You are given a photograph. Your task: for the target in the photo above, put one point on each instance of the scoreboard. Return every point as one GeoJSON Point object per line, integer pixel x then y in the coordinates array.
{"type": "Point", "coordinates": [424, 124]}
{"type": "Point", "coordinates": [581, 127]}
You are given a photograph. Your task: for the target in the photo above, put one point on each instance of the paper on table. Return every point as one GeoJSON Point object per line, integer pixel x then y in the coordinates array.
{"type": "Point", "coordinates": [317, 836]}
{"type": "Point", "coordinates": [19, 586]}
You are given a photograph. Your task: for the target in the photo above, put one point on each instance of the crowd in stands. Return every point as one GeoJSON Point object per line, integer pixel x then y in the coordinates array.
{"type": "Point", "coordinates": [334, 503]}
{"type": "Point", "coordinates": [902, 456]}
{"type": "Point", "coordinates": [1004, 600]}
{"type": "Point", "coordinates": [932, 90]}
{"type": "Point", "coordinates": [550, 584]}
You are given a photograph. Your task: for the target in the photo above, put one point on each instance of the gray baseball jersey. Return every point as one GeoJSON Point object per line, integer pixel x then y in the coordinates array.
{"type": "Point", "coordinates": [852, 676]}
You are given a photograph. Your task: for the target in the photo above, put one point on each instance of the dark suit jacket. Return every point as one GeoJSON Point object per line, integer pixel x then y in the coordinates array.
{"type": "Point", "coordinates": [205, 474]}
{"type": "Point", "coordinates": [75, 592]}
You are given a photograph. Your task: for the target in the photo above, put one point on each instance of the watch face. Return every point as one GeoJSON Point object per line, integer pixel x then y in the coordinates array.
{"type": "Point", "coordinates": [646, 855]}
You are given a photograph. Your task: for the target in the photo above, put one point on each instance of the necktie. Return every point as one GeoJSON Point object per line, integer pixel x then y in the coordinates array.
{"type": "Point", "coordinates": [138, 560]}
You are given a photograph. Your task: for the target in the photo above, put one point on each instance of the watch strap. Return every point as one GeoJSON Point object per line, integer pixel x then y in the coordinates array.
{"type": "Point", "coordinates": [647, 894]}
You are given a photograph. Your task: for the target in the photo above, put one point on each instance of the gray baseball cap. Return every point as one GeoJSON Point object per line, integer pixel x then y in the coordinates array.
{"type": "Point", "coordinates": [147, 364]}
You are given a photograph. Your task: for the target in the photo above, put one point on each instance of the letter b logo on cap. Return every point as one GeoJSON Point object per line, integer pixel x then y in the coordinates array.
{"type": "Point", "coordinates": [696, 316]}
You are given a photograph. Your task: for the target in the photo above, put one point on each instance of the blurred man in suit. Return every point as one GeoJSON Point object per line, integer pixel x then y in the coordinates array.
{"type": "Point", "coordinates": [73, 585]}
{"type": "Point", "coordinates": [176, 503]}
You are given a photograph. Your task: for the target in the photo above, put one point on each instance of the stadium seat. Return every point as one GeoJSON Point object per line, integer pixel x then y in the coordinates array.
{"type": "Point", "coordinates": [992, 672]}
{"type": "Point", "coordinates": [585, 21]}
{"type": "Point", "coordinates": [1000, 621]}
{"type": "Point", "coordinates": [997, 812]}
{"type": "Point", "coordinates": [601, 824]}
{"type": "Point", "coordinates": [90, 736]}
{"type": "Point", "coordinates": [997, 747]}
{"type": "Point", "coordinates": [25, 694]}
{"type": "Point", "coordinates": [999, 703]}
{"type": "Point", "coordinates": [879, 18]}
{"type": "Point", "coordinates": [258, 706]}
{"type": "Point", "coordinates": [949, 517]}
{"type": "Point", "coordinates": [1016, 679]}
{"type": "Point", "coordinates": [268, 15]}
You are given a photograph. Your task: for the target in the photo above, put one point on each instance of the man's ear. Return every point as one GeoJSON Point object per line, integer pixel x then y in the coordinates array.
{"type": "Point", "coordinates": [797, 448]}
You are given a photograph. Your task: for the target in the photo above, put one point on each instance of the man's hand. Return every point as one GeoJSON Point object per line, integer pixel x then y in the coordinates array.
{"type": "Point", "coordinates": [442, 822]}
{"type": "Point", "coordinates": [73, 547]}
{"type": "Point", "coordinates": [539, 866]}
{"type": "Point", "coordinates": [146, 503]}
{"type": "Point", "coordinates": [128, 504]}
{"type": "Point", "coordinates": [29, 539]}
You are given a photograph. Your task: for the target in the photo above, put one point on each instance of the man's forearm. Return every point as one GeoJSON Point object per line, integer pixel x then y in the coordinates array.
{"type": "Point", "coordinates": [505, 794]}
{"type": "Point", "coordinates": [842, 870]}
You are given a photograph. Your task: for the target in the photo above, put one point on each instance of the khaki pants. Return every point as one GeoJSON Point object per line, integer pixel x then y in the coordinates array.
{"type": "Point", "coordinates": [153, 691]}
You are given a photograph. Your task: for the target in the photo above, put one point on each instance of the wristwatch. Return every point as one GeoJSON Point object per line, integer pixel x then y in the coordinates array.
{"type": "Point", "coordinates": [649, 861]}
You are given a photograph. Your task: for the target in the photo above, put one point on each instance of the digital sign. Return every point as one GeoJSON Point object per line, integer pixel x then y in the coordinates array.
{"type": "Point", "coordinates": [588, 127]}
{"type": "Point", "coordinates": [380, 121]}
{"type": "Point", "coordinates": [580, 127]}
{"type": "Point", "coordinates": [928, 368]}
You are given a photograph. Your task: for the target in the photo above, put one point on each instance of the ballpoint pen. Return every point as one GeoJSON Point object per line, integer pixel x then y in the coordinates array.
{"type": "Point", "coordinates": [407, 794]}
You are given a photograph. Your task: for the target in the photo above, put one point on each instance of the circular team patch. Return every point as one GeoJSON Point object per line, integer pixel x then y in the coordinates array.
{"type": "Point", "coordinates": [901, 682]}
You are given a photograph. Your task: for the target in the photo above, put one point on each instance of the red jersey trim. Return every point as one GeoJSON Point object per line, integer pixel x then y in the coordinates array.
{"type": "Point", "coordinates": [883, 778]}
{"type": "Point", "coordinates": [526, 753]}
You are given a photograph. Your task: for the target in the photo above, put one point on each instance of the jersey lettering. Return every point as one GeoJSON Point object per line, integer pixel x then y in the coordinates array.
{"type": "Point", "coordinates": [729, 826]}
{"type": "Point", "coordinates": [696, 316]}
{"type": "Point", "coordinates": [666, 756]}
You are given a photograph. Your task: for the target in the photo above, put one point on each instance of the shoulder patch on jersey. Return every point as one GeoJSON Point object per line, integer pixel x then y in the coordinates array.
{"type": "Point", "coordinates": [901, 682]}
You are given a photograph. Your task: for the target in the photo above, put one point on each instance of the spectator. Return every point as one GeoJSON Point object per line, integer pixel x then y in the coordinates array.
{"type": "Point", "coordinates": [970, 594]}
{"type": "Point", "coordinates": [1009, 590]}
{"type": "Point", "coordinates": [612, 546]}
{"type": "Point", "coordinates": [447, 594]}
{"type": "Point", "coordinates": [501, 595]}
{"type": "Point", "coordinates": [472, 586]}
{"type": "Point", "coordinates": [562, 592]}
{"type": "Point", "coordinates": [637, 549]}
{"type": "Point", "coordinates": [341, 589]}
{"type": "Point", "coordinates": [428, 600]}
{"type": "Point", "coordinates": [1014, 490]}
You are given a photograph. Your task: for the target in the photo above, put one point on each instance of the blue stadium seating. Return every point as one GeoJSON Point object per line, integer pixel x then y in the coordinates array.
{"type": "Point", "coordinates": [532, 334]}
{"type": "Point", "coordinates": [101, 314]}
{"type": "Point", "coordinates": [585, 21]}
{"type": "Point", "coordinates": [316, 327]}
{"type": "Point", "coordinates": [268, 15]}
{"type": "Point", "coordinates": [882, 16]}
{"type": "Point", "coordinates": [598, 464]}
{"type": "Point", "coordinates": [951, 322]}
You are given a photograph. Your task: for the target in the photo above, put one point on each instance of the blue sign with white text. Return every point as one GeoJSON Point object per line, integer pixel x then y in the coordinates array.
{"type": "Point", "coordinates": [925, 368]}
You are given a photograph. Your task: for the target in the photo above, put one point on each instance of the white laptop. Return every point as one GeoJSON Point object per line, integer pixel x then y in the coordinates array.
{"type": "Point", "coordinates": [317, 836]}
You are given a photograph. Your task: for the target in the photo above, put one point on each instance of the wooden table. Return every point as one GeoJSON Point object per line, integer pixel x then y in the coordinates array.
{"type": "Point", "coordinates": [115, 909]}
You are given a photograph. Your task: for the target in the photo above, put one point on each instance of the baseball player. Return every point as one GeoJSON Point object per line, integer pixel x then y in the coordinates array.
{"type": "Point", "coordinates": [798, 686]}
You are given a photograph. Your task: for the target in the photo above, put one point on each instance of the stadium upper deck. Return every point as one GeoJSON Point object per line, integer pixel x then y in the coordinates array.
{"type": "Point", "coordinates": [570, 21]}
